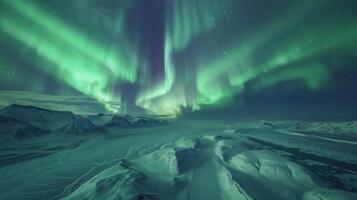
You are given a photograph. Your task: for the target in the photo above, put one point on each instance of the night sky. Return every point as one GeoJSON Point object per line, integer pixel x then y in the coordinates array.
{"type": "Point", "coordinates": [195, 58]}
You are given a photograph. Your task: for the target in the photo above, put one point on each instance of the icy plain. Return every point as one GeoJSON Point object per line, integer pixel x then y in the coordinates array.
{"type": "Point", "coordinates": [181, 160]}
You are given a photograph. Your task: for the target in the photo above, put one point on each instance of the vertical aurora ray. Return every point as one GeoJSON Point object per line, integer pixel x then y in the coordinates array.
{"type": "Point", "coordinates": [236, 64]}
{"type": "Point", "coordinates": [88, 66]}
{"type": "Point", "coordinates": [185, 20]}
{"type": "Point", "coordinates": [312, 43]}
{"type": "Point", "coordinates": [120, 62]}
{"type": "Point", "coordinates": [166, 56]}
{"type": "Point", "coordinates": [77, 71]}
{"type": "Point", "coordinates": [220, 76]}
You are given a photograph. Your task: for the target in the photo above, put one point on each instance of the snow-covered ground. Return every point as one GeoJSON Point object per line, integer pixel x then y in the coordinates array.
{"type": "Point", "coordinates": [121, 157]}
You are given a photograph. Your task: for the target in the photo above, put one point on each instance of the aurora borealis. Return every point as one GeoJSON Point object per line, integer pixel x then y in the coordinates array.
{"type": "Point", "coordinates": [163, 57]}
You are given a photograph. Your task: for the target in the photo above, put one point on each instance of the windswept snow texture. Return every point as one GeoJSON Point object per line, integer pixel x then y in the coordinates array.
{"type": "Point", "coordinates": [133, 159]}
{"type": "Point", "coordinates": [223, 166]}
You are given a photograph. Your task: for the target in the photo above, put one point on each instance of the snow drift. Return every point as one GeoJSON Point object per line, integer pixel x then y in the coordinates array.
{"type": "Point", "coordinates": [210, 167]}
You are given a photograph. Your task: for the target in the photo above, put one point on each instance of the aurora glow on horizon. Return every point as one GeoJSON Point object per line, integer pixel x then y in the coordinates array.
{"type": "Point", "coordinates": [161, 57]}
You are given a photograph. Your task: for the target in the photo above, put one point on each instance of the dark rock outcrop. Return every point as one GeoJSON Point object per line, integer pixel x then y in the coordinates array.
{"type": "Point", "coordinates": [120, 121]}
{"type": "Point", "coordinates": [78, 126]}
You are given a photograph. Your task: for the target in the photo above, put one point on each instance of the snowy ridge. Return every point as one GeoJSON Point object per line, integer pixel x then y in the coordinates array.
{"type": "Point", "coordinates": [336, 128]}
{"type": "Point", "coordinates": [127, 121]}
{"type": "Point", "coordinates": [14, 129]}
{"type": "Point", "coordinates": [19, 121]}
{"type": "Point", "coordinates": [43, 118]}
{"type": "Point", "coordinates": [79, 125]}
